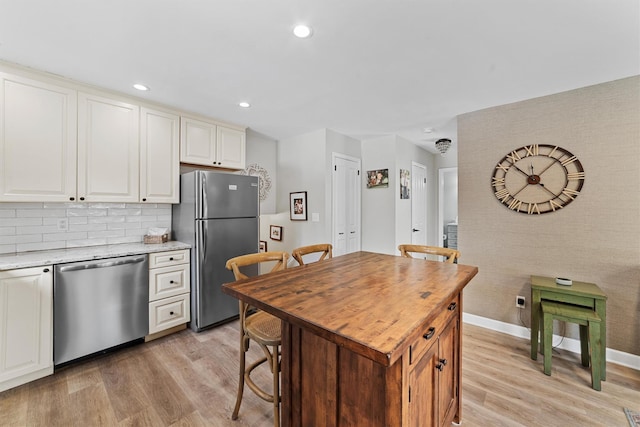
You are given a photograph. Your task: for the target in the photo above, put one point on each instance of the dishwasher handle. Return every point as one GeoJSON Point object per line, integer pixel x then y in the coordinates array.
{"type": "Point", "coordinates": [104, 264]}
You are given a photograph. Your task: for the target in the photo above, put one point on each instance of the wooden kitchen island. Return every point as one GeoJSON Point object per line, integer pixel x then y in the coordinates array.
{"type": "Point", "coordinates": [368, 339]}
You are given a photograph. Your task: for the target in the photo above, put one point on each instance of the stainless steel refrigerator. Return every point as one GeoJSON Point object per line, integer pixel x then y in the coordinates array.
{"type": "Point", "coordinates": [218, 216]}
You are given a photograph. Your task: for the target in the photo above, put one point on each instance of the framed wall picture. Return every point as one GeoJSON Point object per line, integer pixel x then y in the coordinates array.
{"type": "Point", "coordinates": [405, 182]}
{"type": "Point", "coordinates": [298, 206]}
{"type": "Point", "coordinates": [263, 246]}
{"type": "Point", "coordinates": [378, 178]}
{"type": "Point", "coordinates": [275, 232]}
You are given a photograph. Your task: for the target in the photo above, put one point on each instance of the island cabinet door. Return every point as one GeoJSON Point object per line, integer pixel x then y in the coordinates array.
{"type": "Point", "coordinates": [423, 390]}
{"type": "Point", "coordinates": [433, 380]}
{"type": "Point", "coordinates": [447, 368]}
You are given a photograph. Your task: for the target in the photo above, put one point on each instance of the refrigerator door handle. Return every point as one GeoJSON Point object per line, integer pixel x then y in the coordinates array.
{"type": "Point", "coordinates": [201, 252]}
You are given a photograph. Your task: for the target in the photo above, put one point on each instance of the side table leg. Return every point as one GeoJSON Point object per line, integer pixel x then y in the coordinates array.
{"type": "Point", "coordinates": [535, 322]}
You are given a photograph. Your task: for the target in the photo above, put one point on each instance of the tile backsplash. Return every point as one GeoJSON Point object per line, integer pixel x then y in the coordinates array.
{"type": "Point", "coordinates": [41, 226]}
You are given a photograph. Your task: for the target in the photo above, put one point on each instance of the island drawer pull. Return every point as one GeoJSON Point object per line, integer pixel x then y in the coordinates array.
{"type": "Point", "coordinates": [452, 306]}
{"type": "Point", "coordinates": [430, 333]}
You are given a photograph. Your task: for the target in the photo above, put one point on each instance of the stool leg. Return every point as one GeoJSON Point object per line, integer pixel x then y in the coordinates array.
{"type": "Point", "coordinates": [275, 369]}
{"type": "Point", "coordinates": [244, 345]}
{"type": "Point", "coordinates": [584, 344]}
{"type": "Point", "coordinates": [596, 354]}
{"type": "Point", "coordinates": [547, 332]}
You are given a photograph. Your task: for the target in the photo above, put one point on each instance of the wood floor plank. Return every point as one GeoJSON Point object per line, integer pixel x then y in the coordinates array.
{"type": "Point", "coordinates": [189, 379]}
{"type": "Point", "coordinates": [91, 407]}
{"type": "Point", "coordinates": [126, 395]}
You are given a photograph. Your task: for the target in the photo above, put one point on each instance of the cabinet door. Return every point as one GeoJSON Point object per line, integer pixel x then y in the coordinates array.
{"type": "Point", "coordinates": [37, 141]}
{"type": "Point", "coordinates": [197, 142]}
{"type": "Point", "coordinates": [159, 162]}
{"type": "Point", "coordinates": [26, 325]}
{"type": "Point", "coordinates": [448, 381]}
{"type": "Point", "coordinates": [423, 389]}
{"type": "Point", "coordinates": [230, 152]}
{"type": "Point", "coordinates": [108, 144]}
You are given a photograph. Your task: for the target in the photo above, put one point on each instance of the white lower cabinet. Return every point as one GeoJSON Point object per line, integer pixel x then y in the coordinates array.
{"type": "Point", "coordinates": [26, 325]}
{"type": "Point", "coordinates": [169, 290]}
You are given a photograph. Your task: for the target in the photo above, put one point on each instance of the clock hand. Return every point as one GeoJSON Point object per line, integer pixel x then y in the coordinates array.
{"type": "Point", "coordinates": [532, 169]}
{"type": "Point", "coordinates": [545, 169]}
{"type": "Point", "coordinates": [516, 193]}
{"type": "Point", "coordinates": [548, 191]}
{"type": "Point", "coordinates": [520, 170]}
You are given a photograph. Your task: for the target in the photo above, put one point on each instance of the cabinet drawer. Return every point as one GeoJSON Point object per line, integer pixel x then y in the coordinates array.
{"type": "Point", "coordinates": [168, 281]}
{"type": "Point", "coordinates": [164, 259]}
{"type": "Point", "coordinates": [168, 312]}
{"type": "Point", "coordinates": [433, 329]}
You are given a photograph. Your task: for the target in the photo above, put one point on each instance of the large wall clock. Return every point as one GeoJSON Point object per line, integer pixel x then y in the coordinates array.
{"type": "Point", "coordinates": [537, 179]}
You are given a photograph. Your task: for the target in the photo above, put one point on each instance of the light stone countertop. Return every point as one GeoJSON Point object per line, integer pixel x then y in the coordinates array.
{"type": "Point", "coordinates": [86, 253]}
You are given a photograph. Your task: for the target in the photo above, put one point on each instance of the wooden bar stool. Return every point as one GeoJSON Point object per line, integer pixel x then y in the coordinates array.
{"type": "Point", "coordinates": [262, 328]}
{"type": "Point", "coordinates": [590, 342]}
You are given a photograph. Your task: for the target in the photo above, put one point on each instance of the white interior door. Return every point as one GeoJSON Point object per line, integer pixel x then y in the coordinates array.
{"type": "Point", "coordinates": [418, 204]}
{"type": "Point", "coordinates": [346, 204]}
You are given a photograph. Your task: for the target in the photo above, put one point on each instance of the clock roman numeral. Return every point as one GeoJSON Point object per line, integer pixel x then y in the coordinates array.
{"type": "Point", "coordinates": [553, 151]}
{"type": "Point", "coordinates": [570, 193]}
{"type": "Point", "coordinates": [575, 175]}
{"type": "Point", "coordinates": [533, 208]}
{"type": "Point", "coordinates": [502, 195]}
{"type": "Point", "coordinates": [515, 204]}
{"type": "Point", "coordinates": [569, 160]}
{"type": "Point", "coordinates": [555, 205]}
{"type": "Point", "coordinates": [514, 156]}
{"type": "Point", "coordinates": [502, 167]}
{"type": "Point", "coordinates": [531, 150]}
{"type": "Point", "coordinates": [497, 182]}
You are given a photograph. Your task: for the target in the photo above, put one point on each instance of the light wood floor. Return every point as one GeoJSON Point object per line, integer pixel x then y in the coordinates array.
{"type": "Point", "coordinates": [189, 379]}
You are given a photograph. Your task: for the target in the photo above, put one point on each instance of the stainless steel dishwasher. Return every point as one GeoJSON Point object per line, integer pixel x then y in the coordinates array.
{"type": "Point", "coordinates": [98, 305]}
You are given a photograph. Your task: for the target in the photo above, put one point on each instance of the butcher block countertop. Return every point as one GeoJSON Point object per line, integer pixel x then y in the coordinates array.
{"type": "Point", "coordinates": [372, 304]}
{"type": "Point", "coordinates": [61, 256]}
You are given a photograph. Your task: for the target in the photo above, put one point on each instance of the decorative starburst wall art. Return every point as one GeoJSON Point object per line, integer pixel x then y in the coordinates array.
{"type": "Point", "coordinates": [255, 169]}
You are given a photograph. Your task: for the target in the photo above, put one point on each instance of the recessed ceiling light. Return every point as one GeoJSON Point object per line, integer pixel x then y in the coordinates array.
{"type": "Point", "coordinates": [302, 31]}
{"type": "Point", "coordinates": [244, 104]}
{"type": "Point", "coordinates": [427, 130]}
{"type": "Point", "coordinates": [140, 86]}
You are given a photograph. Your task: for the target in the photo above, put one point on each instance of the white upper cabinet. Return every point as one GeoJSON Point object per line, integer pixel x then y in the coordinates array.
{"type": "Point", "coordinates": [197, 142]}
{"type": "Point", "coordinates": [37, 140]}
{"type": "Point", "coordinates": [231, 147]}
{"type": "Point", "coordinates": [204, 143]}
{"type": "Point", "coordinates": [62, 141]}
{"type": "Point", "coordinates": [159, 156]}
{"type": "Point", "coordinates": [108, 145]}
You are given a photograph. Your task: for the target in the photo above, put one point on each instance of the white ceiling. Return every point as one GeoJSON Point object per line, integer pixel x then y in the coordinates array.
{"type": "Point", "coordinates": [371, 68]}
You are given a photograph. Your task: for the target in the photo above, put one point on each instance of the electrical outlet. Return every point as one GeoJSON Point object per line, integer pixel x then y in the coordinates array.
{"type": "Point", "coordinates": [520, 301]}
{"type": "Point", "coordinates": [63, 224]}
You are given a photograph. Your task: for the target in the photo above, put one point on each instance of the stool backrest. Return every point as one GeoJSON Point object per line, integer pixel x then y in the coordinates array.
{"type": "Point", "coordinates": [451, 255]}
{"type": "Point", "coordinates": [325, 249]}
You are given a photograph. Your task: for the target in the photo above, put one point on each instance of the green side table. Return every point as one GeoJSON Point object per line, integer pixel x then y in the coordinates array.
{"type": "Point", "coordinates": [579, 293]}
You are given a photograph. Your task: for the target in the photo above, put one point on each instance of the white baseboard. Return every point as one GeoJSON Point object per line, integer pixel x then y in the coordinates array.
{"type": "Point", "coordinates": [570, 344]}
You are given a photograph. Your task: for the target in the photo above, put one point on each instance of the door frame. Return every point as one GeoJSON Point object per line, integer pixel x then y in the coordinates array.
{"type": "Point", "coordinates": [426, 202]}
{"type": "Point", "coordinates": [441, 180]}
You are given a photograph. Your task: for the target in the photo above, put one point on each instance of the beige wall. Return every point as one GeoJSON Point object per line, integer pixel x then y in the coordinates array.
{"type": "Point", "coordinates": [594, 239]}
